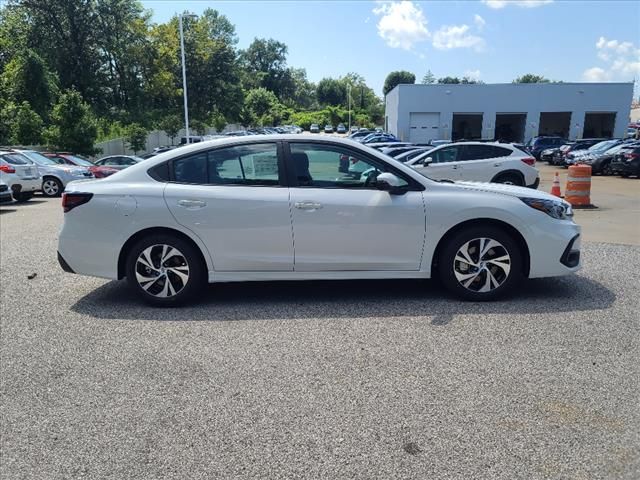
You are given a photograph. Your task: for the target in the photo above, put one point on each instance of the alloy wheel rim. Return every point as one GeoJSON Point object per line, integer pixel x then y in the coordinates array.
{"type": "Point", "coordinates": [482, 265]}
{"type": "Point", "coordinates": [162, 270]}
{"type": "Point", "coordinates": [50, 187]}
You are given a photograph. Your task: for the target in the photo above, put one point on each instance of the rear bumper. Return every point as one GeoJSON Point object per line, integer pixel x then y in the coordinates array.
{"type": "Point", "coordinates": [65, 266]}
{"type": "Point", "coordinates": [626, 168]}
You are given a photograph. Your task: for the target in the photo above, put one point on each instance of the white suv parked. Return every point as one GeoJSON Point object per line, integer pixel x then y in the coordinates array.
{"type": "Point", "coordinates": [20, 174]}
{"type": "Point", "coordinates": [478, 162]}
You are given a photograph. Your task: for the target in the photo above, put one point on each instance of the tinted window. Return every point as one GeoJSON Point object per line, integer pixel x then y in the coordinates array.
{"type": "Point", "coordinates": [16, 160]}
{"type": "Point", "coordinates": [239, 165]}
{"type": "Point", "coordinates": [445, 155]}
{"type": "Point", "coordinates": [330, 166]}
{"type": "Point", "coordinates": [477, 152]}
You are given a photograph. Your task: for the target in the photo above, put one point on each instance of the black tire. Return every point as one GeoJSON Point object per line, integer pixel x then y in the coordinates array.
{"type": "Point", "coordinates": [509, 179]}
{"type": "Point", "coordinates": [447, 264]}
{"type": "Point", "coordinates": [52, 187]}
{"type": "Point", "coordinates": [23, 197]}
{"type": "Point", "coordinates": [606, 169]}
{"type": "Point", "coordinates": [195, 267]}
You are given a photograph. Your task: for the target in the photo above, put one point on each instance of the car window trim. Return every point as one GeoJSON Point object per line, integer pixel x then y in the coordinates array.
{"type": "Point", "coordinates": [281, 166]}
{"type": "Point", "coordinates": [292, 179]}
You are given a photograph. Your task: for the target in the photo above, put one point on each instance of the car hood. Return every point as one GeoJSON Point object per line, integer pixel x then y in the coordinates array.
{"type": "Point", "coordinates": [502, 189]}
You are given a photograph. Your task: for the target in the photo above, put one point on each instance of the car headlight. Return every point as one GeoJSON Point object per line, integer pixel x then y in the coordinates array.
{"type": "Point", "coordinates": [553, 208]}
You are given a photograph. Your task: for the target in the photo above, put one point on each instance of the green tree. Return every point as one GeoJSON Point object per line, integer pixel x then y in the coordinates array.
{"type": "Point", "coordinates": [198, 127]}
{"type": "Point", "coordinates": [171, 125]}
{"type": "Point", "coordinates": [27, 78]}
{"type": "Point", "coordinates": [260, 101]}
{"type": "Point", "coordinates": [265, 65]}
{"type": "Point", "coordinates": [136, 137]}
{"type": "Point", "coordinates": [531, 78]}
{"type": "Point", "coordinates": [397, 78]}
{"type": "Point", "coordinates": [449, 80]}
{"type": "Point", "coordinates": [428, 78]}
{"type": "Point", "coordinates": [331, 91]}
{"type": "Point", "coordinates": [73, 125]}
{"type": "Point", "coordinates": [27, 126]}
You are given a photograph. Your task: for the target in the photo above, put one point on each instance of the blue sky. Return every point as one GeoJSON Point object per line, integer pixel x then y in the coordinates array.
{"type": "Point", "coordinates": [492, 40]}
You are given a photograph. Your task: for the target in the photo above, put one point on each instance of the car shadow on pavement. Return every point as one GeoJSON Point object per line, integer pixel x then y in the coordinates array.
{"type": "Point", "coordinates": [346, 299]}
{"type": "Point", "coordinates": [7, 210]}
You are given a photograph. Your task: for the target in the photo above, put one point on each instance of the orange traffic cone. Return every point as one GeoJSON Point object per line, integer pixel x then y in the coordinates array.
{"type": "Point", "coordinates": [555, 188]}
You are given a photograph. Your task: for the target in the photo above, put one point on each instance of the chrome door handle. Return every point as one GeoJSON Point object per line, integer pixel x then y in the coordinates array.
{"type": "Point", "coordinates": [192, 203]}
{"type": "Point", "coordinates": [307, 205]}
{"type": "Point", "coordinates": [454, 167]}
{"type": "Point", "coordinates": [497, 164]}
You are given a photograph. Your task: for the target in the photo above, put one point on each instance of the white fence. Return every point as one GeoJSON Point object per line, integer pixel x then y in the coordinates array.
{"type": "Point", "coordinates": [156, 138]}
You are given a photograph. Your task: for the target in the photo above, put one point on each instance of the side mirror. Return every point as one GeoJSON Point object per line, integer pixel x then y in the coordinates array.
{"type": "Point", "coordinates": [427, 161]}
{"type": "Point", "coordinates": [388, 182]}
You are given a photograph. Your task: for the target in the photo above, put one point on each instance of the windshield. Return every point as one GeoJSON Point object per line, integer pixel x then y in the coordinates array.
{"type": "Point", "coordinates": [80, 161]}
{"type": "Point", "coordinates": [38, 158]}
{"type": "Point", "coordinates": [602, 146]}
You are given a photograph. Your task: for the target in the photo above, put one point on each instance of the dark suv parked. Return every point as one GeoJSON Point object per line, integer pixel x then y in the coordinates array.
{"type": "Point", "coordinates": [536, 145]}
{"type": "Point", "coordinates": [627, 162]}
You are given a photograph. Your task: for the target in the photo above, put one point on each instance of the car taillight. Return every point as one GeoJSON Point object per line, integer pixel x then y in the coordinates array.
{"type": "Point", "coordinates": [73, 200]}
{"type": "Point", "coordinates": [631, 156]}
{"type": "Point", "coordinates": [529, 161]}
{"type": "Point", "coordinates": [7, 169]}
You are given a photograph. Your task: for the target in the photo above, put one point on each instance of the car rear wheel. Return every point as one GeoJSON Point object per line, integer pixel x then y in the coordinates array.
{"type": "Point", "coordinates": [481, 264]}
{"type": "Point", "coordinates": [165, 270]}
{"type": "Point", "coordinates": [606, 169]}
{"type": "Point", "coordinates": [52, 187]}
{"type": "Point", "coordinates": [510, 179]}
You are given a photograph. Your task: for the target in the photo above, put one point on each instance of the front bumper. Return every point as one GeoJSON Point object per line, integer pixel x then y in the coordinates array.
{"type": "Point", "coordinates": [554, 248]}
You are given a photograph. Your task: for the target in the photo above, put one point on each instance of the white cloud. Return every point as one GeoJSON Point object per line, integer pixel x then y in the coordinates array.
{"type": "Point", "coordinates": [498, 4]}
{"type": "Point", "coordinates": [622, 61]}
{"type": "Point", "coordinates": [401, 24]}
{"type": "Point", "coordinates": [456, 36]}
{"type": "Point", "coordinates": [479, 21]}
{"type": "Point", "coordinates": [596, 74]}
{"type": "Point", "coordinates": [472, 74]}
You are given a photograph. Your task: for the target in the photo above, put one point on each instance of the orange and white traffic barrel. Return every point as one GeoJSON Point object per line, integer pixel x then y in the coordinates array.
{"type": "Point", "coordinates": [578, 190]}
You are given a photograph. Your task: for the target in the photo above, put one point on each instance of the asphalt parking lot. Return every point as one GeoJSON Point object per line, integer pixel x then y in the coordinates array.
{"type": "Point", "coordinates": [374, 379]}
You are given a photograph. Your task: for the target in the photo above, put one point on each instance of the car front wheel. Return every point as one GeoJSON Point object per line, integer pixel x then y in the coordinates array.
{"type": "Point", "coordinates": [481, 264]}
{"type": "Point", "coordinates": [165, 270]}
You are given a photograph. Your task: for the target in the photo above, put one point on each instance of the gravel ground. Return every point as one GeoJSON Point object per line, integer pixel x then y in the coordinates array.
{"type": "Point", "coordinates": [373, 379]}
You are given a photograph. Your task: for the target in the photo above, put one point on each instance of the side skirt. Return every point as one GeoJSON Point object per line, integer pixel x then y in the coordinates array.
{"type": "Point", "coordinates": [217, 277]}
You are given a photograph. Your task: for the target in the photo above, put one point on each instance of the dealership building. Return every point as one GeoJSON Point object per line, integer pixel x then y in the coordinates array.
{"type": "Point", "coordinates": [513, 112]}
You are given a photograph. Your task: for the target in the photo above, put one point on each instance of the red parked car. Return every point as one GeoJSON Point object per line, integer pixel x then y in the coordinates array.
{"type": "Point", "coordinates": [71, 159]}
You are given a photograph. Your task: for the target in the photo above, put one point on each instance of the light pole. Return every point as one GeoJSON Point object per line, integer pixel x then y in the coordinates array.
{"type": "Point", "coordinates": [349, 100]}
{"type": "Point", "coordinates": [184, 74]}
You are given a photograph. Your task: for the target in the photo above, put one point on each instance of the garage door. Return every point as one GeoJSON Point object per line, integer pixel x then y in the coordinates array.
{"type": "Point", "coordinates": [424, 127]}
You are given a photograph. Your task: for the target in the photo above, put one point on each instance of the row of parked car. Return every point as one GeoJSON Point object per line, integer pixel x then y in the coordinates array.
{"type": "Point", "coordinates": [607, 156]}
{"type": "Point", "coordinates": [460, 161]}
{"type": "Point", "coordinates": [24, 172]}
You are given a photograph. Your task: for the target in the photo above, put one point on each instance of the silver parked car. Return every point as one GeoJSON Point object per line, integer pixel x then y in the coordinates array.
{"type": "Point", "coordinates": [55, 176]}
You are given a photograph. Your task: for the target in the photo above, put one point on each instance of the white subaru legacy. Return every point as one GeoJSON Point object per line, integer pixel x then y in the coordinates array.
{"type": "Point", "coordinates": [284, 208]}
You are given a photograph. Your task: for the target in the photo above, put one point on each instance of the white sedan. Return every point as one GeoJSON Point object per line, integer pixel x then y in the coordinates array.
{"type": "Point", "coordinates": [479, 162]}
{"type": "Point", "coordinates": [284, 208]}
